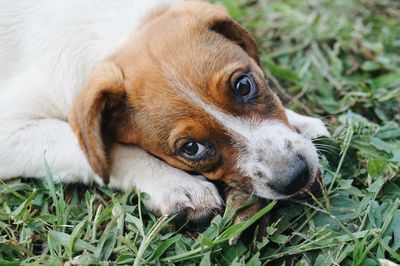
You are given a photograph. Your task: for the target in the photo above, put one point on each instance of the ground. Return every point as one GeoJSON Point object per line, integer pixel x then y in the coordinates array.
{"type": "Point", "coordinates": [336, 59]}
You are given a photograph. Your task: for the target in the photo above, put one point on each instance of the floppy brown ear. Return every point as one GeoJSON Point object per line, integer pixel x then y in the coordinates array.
{"type": "Point", "coordinates": [101, 115]}
{"type": "Point", "coordinates": [218, 20]}
{"type": "Point", "coordinates": [236, 33]}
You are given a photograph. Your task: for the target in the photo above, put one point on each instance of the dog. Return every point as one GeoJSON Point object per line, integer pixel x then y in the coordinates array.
{"type": "Point", "coordinates": [164, 96]}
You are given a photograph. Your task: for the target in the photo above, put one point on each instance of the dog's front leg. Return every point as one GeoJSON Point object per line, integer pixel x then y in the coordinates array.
{"type": "Point", "coordinates": [170, 190]}
{"type": "Point", "coordinates": [309, 127]}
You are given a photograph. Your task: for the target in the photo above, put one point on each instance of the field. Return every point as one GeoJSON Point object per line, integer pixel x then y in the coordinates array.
{"type": "Point", "coordinates": [336, 59]}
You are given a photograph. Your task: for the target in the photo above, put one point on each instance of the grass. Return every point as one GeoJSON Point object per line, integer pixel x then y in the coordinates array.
{"type": "Point", "coordinates": [336, 59]}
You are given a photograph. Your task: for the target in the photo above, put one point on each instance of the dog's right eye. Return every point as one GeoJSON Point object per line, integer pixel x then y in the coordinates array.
{"type": "Point", "coordinates": [193, 150]}
{"type": "Point", "coordinates": [245, 88]}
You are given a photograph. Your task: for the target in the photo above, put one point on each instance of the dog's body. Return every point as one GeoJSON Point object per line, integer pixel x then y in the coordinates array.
{"type": "Point", "coordinates": [59, 59]}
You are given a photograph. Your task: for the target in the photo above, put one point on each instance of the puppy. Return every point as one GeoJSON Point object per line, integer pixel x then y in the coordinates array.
{"type": "Point", "coordinates": [140, 94]}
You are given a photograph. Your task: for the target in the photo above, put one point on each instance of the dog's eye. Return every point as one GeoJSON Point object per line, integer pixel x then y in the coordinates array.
{"type": "Point", "coordinates": [245, 87]}
{"type": "Point", "coordinates": [193, 150]}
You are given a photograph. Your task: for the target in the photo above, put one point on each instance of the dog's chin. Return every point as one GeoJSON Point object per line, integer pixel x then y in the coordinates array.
{"type": "Point", "coordinates": [312, 188]}
{"type": "Point", "coordinates": [270, 194]}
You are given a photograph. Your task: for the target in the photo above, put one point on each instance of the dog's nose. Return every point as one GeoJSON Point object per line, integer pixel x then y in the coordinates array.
{"type": "Point", "coordinates": [294, 177]}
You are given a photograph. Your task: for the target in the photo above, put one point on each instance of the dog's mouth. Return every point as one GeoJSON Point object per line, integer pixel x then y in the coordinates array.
{"type": "Point", "coordinates": [312, 188]}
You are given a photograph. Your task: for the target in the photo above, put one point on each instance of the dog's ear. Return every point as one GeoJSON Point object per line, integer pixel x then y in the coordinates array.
{"type": "Point", "coordinates": [236, 33]}
{"type": "Point", "coordinates": [101, 115]}
{"type": "Point", "coordinates": [218, 20]}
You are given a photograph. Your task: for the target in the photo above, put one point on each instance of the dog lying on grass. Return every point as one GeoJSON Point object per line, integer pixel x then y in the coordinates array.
{"type": "Point", "coordinates": [165, 96]}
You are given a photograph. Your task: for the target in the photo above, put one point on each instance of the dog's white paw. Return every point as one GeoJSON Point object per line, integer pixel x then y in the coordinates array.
{"type": "Point", "coordinates": [312, 128]}
{"type": "Point", "coordinates": [170, 190]}
{"type": "Point", "coordinates": [190, 198]}
{"type": "Point", "coordinates": [309, 127]}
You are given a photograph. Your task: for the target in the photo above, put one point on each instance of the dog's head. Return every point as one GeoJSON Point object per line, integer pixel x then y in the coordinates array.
{"type": "Point", "coordinates": [188, 88]}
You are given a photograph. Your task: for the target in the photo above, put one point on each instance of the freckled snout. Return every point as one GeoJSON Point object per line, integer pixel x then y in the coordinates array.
{"type": "Point", "coordinates": [293, 177]}
{"type": "Point", "coordinates": [279, 162]}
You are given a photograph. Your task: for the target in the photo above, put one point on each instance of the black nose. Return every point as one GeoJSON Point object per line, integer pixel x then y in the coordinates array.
{"type": "Point", "coordinates": [293, 178]}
